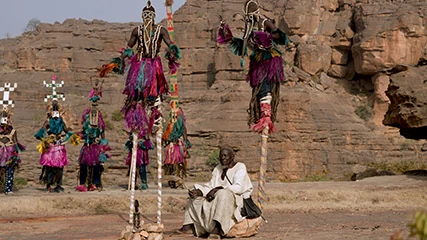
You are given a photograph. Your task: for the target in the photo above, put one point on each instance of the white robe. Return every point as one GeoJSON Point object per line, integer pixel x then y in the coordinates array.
{"type": "Point", "coordinates": [227, 204]}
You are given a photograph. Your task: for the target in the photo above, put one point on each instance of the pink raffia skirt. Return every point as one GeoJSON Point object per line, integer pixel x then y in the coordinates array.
{"type": "Point", "coordinates": [5, 154]}
{"type": "Point", "coordinates": [174, 153]}
{"type": "Point", "coordinates": [55, 156]}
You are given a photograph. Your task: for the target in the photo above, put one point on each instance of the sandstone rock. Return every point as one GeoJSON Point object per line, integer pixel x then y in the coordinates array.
{"type": "Point", "coordinates": [351, 72]}
{"type": "Point", "coordinates": [314, 58]}
{"type": "Point", "coordinates": [381, 101]}
{"type": "Point", "coordinates": [325, 81]}
{"type": "Point", "coordinates": [407, 109]}
{"type": "Point", "coordinates": [155, 236]}
{"type": "Point", "coordinates": [158, 228]}
{"type": "Point", "coordinates": [301, 21]}
{"type": "Point", "coordinates": [384, 40]}
{"type": "Point", "coordinates": [342, 42]}
{"type": "Point", "coordinates": [338, 71]}
{"type": "Point", "coordinates": [128, 235]}
{"type": "Point", "coordinates": [302, 76]}
{"type": "Point", "coordinates": [136, 237]}
{"type": "Point", "coordinates": [144, 234]}
{"type": "Point", "coordinates": [339, 57]}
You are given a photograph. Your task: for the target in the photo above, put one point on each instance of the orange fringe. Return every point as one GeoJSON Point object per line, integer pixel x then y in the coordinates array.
{"type": "Point", "coordinates": [168, 131]}
{"type": "Point", "coordinates": [106, 68]}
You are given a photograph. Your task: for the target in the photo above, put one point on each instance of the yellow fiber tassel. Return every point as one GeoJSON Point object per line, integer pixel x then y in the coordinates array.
{"type": "Point", "coordinates": [75, 139]}
{"type": "Point", "coordinates": [43, 146]}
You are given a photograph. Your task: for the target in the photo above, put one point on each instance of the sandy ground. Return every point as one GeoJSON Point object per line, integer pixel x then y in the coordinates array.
{"type": "Point", "coordinates": [372, 208]}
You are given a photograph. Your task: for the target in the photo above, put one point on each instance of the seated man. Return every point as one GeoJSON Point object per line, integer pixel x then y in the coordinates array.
{"type": "Point", "coordinates": [215, 207]}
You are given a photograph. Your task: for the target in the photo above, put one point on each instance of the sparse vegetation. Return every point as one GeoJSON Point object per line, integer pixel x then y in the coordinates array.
{"type": "Point", "coordinates": [104, 114]}
{"type": "Point", "coordinates": [364, 112]}
{"type": "Point", "coordinates": [318, 176]}
{"type": "Point", "coordinates": [109, 125]}
{"type": "Point", "coordinates": [20, 182]}
{"type": "Point", "coordinates": [357, 89]}
{"type": "Point", "coordinates": [418, 227]}
{"type": "Point", "coordinates": [7, 35]}
{"type": "Point", "coordinates": [38, 117]}
{"type": "Point", "coordinates": [398, 167]}
{"type": "Point", "coordinates": [117, 116]}
{"type": "Point", "coordinates": [32, 25]}
{"type": "Point", "coordinates": [213, 158]}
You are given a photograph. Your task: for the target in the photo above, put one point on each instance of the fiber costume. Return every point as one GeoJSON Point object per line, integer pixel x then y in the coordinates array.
{"type": "Point", "coordinates": [54, 134]}
{"type": "Point", "coordinates": [145, 81]}
{"type": "Point", "coordinates": [9, 145]}
{"type": "Point", "coordinates": [93, 154]}
{"type": "Point", "coordinates": [177, 144]}
{"type": "Point", "coordinates": [265, 66]}
{"type": "Point", "coordinates": [174, 138]}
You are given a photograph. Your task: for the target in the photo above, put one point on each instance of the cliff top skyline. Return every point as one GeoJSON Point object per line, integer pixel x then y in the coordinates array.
{"type": "Point", "coordinates": [15, 15]}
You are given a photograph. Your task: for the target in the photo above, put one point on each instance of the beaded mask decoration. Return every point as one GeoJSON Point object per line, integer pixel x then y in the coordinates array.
{"type": "Point", "coordinates": [7, 111]}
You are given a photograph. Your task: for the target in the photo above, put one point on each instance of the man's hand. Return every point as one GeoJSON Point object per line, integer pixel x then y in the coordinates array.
{"type": "Point", "coordinates": [195, 193]}
{"type": "Point", "coordinates": [211, 194]}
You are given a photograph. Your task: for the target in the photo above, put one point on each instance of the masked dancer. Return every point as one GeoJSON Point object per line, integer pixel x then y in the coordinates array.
{"type": "Point", "coordinates": [9, 145]}
{"type": "Point", "coordinates": [93, 154]}
{"type": "Point", "coordinates": [265, 66]}
{"type": "Point", "coordinates": [145, 81]}
{"type": "Point", "coordinates": [54, 134]}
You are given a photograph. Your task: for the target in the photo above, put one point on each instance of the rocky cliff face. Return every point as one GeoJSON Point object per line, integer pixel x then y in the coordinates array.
{"type": "Point", "coordinates": [333, 103]}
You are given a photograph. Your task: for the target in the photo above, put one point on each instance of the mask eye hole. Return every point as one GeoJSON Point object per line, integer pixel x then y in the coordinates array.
{"type": "Point", "coordinates": [147, 15]}
{"type": "Point", "coordinates": [249, 18]}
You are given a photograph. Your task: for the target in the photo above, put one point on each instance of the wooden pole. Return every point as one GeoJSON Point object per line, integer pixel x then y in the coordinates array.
{"type": "Point", "coordinates": [159, 174]}
{"type": "Point", "coordinates": [263, 168]}
{"type": "Point", "coordinates": [133, 174]}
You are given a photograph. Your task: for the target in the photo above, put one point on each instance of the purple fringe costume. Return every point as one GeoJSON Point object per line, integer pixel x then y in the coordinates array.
{"type": "Point", "coordinates": [145, 77]}
{"type": "Point", "coordinates": [265, 73]}
{"type": "Point", "coordinates": [135, 117]}
{"type": "Point", "coordinates": [266, 62]}
{"type": "Point", "coordinates": [141, 158]}
{"type": "Point", "coordinates": [141, 154]}
{"type": "Point", "coordinates": [89, 154]}
{"type": "Point", "coordinates": [174, 153]}
{"type": "Point", "coordinates": [6, 153]}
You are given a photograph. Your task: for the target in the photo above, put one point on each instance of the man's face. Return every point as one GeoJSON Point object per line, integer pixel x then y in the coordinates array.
{"type": "Point", "coordinates": [226, 157]}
